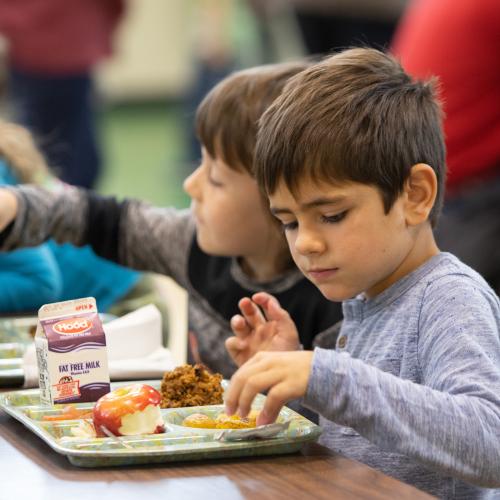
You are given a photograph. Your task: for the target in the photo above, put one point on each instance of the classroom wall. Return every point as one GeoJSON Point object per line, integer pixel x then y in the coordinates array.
{"type": "Point", "coordinates": [152, 52]}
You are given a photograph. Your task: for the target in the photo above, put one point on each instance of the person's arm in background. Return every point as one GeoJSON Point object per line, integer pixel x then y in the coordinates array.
{"type": "Point", "coordinates": [131, 233]}
{"type": "Point", "coordinates": [29, 278]}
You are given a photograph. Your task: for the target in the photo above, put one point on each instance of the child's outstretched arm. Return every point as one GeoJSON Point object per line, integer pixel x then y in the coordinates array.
{"type": "Point", "coordinates": [129, 232]}
{"type": "Point", "coordinates": [284, 374]}
{"type": "Point", "coordinates": [262, 326]}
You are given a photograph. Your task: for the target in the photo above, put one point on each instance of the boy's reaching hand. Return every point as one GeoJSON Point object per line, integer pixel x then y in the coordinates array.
{"type": "Point", "coordinates": [8, 208]}
{"type": "Point", "coordinates": [284, 374]}
{"type": "Point", "coordinates": [263, 326]}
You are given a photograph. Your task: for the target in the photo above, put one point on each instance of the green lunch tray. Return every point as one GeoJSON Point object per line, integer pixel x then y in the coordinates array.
{"type": "Point", "coordinates": [178, 443]}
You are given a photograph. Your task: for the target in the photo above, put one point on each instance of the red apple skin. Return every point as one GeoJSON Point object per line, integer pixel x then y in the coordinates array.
{"type": "Point", "coordinates": [110, 408]}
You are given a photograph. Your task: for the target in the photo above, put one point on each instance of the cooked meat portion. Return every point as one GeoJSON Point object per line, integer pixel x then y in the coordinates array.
{"type": "Point", "coordinates": [189, 385]}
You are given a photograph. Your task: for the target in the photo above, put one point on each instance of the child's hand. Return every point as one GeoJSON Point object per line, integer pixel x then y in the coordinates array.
{"type": "Point", "coordinates": [8, 208]}
{"type": "Point", "coordinates": [285, 374]}
{"type": "Point", "coordinates": [254, 331]}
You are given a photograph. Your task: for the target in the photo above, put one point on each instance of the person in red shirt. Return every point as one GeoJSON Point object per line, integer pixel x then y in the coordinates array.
{"type": "Point", "coordinates": [53, 48]}
{"type": "Point", "coordinates": [459, 42]}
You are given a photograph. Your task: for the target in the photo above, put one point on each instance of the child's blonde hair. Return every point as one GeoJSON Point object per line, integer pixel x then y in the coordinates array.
{"type": "Point", "coordinates": [19, 150]}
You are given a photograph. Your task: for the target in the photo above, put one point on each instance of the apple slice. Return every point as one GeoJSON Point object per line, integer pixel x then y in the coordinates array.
{"type": "Point", "coordinates": [129, 411]}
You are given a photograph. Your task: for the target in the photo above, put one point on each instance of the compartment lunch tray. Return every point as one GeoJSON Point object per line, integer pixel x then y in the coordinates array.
{"type": "Point", "coordinates": [178, 443]}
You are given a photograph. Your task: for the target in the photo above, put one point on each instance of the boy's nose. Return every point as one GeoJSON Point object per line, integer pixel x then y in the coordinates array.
{"type": "Point", "coordinates": [192, 184]}
{"type": "Point", "coordinates": [308, 242]}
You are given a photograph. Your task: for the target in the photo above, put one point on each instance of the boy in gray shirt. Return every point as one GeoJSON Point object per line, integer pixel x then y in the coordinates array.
{"type": "Point", "coordinates": [352, 158]}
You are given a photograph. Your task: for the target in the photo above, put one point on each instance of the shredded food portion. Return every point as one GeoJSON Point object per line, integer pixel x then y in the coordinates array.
{"type": "Point", "coordinates": [189, 385]}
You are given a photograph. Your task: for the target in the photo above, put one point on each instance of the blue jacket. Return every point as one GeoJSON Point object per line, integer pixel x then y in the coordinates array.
{"type": "Point", "coordinates": [51, 272]}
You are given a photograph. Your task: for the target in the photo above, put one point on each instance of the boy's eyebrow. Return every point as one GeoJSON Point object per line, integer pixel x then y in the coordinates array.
{"type": "Point", "coordinates": [316, 202]}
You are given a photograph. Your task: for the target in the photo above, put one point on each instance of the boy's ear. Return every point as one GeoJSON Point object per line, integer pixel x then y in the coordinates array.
{"type": "Point", "coordinates": [421, 191]}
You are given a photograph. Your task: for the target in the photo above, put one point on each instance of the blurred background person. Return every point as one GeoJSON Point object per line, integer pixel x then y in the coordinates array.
{"type": "Point", "coordinates": [220, 46]}
{"type": "Point", "coordinates": [53, 47]}
{"type": "Point", "coordinates": [214, 58]}
{"type": "Point", "coordinates": [331, 25]}
{"type": "Point", "coordinates": [51, 272]}
{"type": "Point", "coordinates": [459, 42]}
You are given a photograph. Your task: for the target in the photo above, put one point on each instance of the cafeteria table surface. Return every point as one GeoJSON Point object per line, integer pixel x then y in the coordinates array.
{"type": "Point", "coordinates": [30, 469]}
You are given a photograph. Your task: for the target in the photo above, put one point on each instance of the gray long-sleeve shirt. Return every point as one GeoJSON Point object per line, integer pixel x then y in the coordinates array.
{"type": "Point", "coordinates": [413, 386]}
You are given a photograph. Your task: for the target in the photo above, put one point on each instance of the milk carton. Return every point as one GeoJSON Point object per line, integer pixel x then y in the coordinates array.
{"type": "Point", "coordinates": [71, 352]}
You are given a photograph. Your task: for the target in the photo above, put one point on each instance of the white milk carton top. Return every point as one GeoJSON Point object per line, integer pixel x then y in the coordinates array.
{"type": "Point", "coordinates": [71, 352]}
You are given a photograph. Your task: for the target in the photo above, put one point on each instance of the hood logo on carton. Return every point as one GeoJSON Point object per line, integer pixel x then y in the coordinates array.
{"type": "Point", "coordinates": [72, 326]}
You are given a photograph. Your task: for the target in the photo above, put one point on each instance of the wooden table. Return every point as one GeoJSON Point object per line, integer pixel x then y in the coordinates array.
{"type": "Point", "coordinates": [30, 469]}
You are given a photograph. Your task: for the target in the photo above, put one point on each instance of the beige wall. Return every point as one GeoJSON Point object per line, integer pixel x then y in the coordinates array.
{"type": "Point", "coordinates": [153, 52]}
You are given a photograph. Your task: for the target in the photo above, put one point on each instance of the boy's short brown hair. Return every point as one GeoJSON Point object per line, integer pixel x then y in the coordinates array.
{"type": "Point", "coordinates": [227, 118]}
{"type": "Point", "coordinates": [354, 117]}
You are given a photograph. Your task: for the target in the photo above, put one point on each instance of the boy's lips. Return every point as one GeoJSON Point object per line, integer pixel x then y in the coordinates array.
{"type": "Point", "coordinates": [322, 274]}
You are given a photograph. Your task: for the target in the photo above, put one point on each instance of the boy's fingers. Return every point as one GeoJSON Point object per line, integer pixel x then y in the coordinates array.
{"type": "Point", "coordinates": [271, 306]}
{"type": "Point", "coordinates": [234, 345]}
{"type": "Point", "coordinates": [231, 398]}
{"type": "Point", "coordinates": [240, 326]}
{"type": "Point", "coordinates": [264, 335]}
{"type": "Point", "coordinates": [275, 311]}
{"type": "Point", "coordinates": [275, 400]}
{"type": "Point", "coordinates": [251, 312]}
{"type": "Point", "coordinates": [252, 387]}
{"type": "Point", "coordinates": [255, 384]}
{"type": "Point", "coordinates": [261, 297]}
{"type": "Point", "coordinates": [238, 381]}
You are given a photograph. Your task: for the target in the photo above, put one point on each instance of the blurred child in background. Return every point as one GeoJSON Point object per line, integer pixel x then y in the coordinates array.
{"type": "Point", "coordinates": [53, 48]}
{"type": "Point", "coordinates": [51, 272]}
{"type": "Point", "coordinates": [28, 277]}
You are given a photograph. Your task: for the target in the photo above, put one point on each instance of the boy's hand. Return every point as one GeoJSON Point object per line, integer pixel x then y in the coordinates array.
{"type": "Point", "coordinates": [285, 374]}
{"type": "Point", "coordinates": [254, 331]}
{"type": "Point", "coordinates": [8, 208]}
